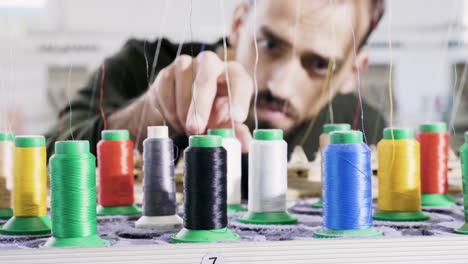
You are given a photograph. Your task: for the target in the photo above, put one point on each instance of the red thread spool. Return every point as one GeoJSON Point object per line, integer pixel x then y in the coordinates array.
{"type": "Point", "coordinates": [434, 140]}
{"type": "Point", "coordinates": [116, 177]}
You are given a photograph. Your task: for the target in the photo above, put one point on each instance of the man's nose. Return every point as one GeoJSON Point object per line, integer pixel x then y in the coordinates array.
{"type": "Point", "coordinates": [285, 78]}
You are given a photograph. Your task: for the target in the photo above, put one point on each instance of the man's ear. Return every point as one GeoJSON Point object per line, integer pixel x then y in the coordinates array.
{"type": "Point", "coordinates": [357, 69]}
{"type": "Point", "coordinates": [238, 18]}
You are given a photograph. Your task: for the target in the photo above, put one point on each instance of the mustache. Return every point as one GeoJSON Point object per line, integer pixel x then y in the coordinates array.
{"type": "Point", "coordinates": [266, 98]}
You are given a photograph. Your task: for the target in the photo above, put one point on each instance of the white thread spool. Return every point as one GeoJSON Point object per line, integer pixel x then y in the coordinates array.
{"type": "Point", "coordinates": [268, 179]}
{"type": "Point", "coordinates": [7, 147]}
{"type": "Point", "coordinates": [234, 168]}
{"type": "Point", "coordinates": [166, 222]}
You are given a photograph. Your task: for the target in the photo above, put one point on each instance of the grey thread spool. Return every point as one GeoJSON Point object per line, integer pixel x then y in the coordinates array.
{"type": "Point", "coordinates": [158, 186]}
{"type": "Point", "coordinates": [159, 194]}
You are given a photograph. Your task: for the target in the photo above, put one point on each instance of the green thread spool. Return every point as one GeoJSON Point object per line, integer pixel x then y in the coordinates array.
{"type": "Point", "coordinates": [73, 196]}
{"type": "Point", "coordinates": [464, 165]}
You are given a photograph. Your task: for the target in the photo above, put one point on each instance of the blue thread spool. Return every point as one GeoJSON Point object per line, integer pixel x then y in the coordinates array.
{"type": "Point", "coordinates": [347, 189]}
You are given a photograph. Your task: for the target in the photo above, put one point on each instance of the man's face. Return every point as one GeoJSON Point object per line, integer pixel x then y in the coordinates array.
{"type": "Point", "coordinates": [296, 41]}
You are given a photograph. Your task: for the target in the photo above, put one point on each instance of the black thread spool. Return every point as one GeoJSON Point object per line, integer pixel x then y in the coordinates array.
{"type": "Point", "coordinates": [205, 195]}
{"type": "Point", "coordinates": [159, 194]}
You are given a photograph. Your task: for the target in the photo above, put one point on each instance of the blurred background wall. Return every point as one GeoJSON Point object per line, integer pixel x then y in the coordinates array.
{"type": "Point", "coordinates": [41, 39]}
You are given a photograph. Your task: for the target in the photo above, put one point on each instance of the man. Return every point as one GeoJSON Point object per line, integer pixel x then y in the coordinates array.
{"type": "Point", "coordinates": [305, 58]}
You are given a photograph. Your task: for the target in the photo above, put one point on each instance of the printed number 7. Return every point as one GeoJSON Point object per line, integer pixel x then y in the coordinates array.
{"type": "Point", "coordinates": [214, 259]}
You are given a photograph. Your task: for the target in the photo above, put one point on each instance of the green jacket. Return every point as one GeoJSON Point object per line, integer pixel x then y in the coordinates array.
{"type": "Point", "coordinates": [127, 76]}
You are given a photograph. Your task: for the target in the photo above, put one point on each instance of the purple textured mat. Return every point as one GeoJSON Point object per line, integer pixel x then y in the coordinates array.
{"type": "Point", "coordinates": [120, 230]}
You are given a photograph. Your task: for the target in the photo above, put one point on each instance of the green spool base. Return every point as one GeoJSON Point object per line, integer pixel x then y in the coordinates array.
{"type": "Point", "coordinates": [318, 204]}
{"type": "Point", "coordinates": [333, 233]}
{"type": "Point", "coordinates": [6, 213]}
{"type": "Point", "coordinates": [118, 210]}
{"type": "Point", "coordinates": [234, 208]}
{"type": "Point", "coordinates": [89, 241]}
{"type": "Point", "coordinates": [21, 226]}
{"type": "Point", "coordinates": [281, 218]}
{"type": "Point", "coordinates": [400, 216]}
{"type": "Point", "coordinates": [203, 236]}
{"type": "Point", "coordinates": [462, 230]}
{"type": "Point", "coordinates": [436, 200]}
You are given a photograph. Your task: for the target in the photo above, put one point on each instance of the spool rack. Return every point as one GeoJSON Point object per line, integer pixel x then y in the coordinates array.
{"type": "Point", "coordinates": [448, 249]}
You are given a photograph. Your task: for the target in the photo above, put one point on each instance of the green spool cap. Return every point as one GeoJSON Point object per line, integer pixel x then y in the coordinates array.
{"type": "Point", "coordinates": [433, 127]}
{"type": "Point", "coordinates": [6, 213]}
{"type": "Point", "coordinates": [234, 208]}
{"type": "Point", "coordinates": [437, 200]}
{"type": "Point", "coordinates": [30, 141]}
{"type": "Point", "coordinates": [205, 141]}
{"type": "Point", "coordinates": [398, 133]}
{"type": "Point", "coordinates": [222, 132]}
{"type": "Point", "coordinates": [72, 147]}
{"type": "Point", "coordinates": [88, 241]}
{"type": "Point", "coordinates": [276, 218]}
{"type": "Point", "coordinates": [118, 134]}
{"type": "Point", "coordinates": [333, 233]}
{"type": "Point", "coordinates": [318, 204]}
{"type": "Point", "coordinates": [268, 134]}
{"type": "Point", "coordinates": [204, 236]}
{"type": "Point", "coordinates": [464, 164]}
{"type": "Point", "coordinates": [400, 216]}
{"type": "Point", "coordinates": [327, 128]}
{"type": "Point", "coordinates": [462, 230]}
{"type": "Point", "coordinates": [346, 137]}
{"type": "Point", "coordinates": [23, 226]}
{"type": "Point", "coordinates": [7, 136]}
{"type": "Point", "coordinates": [118, 210]}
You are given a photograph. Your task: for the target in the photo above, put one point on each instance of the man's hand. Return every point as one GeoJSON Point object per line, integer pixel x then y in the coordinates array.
{"type": "Point", "coordinates": [192, 96]}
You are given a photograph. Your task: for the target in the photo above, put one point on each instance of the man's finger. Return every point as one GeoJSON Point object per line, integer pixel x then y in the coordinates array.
{"type": "Point", "coordinates": [244, 136]}
{"type": "Point", "coordinates": [184, 74]}
{"type": "Point", "coordinates": [241, 91]}
{"type": "Point", "coordinates": [163, 99]}
{"type": "Point", "coordinates": [208, 68]}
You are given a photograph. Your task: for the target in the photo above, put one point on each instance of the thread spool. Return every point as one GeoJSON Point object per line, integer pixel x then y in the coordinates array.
{"type": "Point", "coordinates": [159, 198]}
{"type": "Point", "coordinates": [7, 147]}
{"type": "Point", "coordinates": [464, 165]}
{"type": "Point", "coordinates": [434, 141]}
{"type": "Point", "coordinates": [268, 180]}
{"type": "Point", "coordinates": [347, 188]}
{"type": "Point", "coordinates": [116, 178]}
{"type": "Point", "coordinates": [205, 179]}
{"type": "Point", "coordinates": [73, 196]}
{"type": "Point", "coordinates": [234, 168]}
{"type": "Point", "coordinates": [29, 188]}
{"type": "Point", "coordinates": [324, 140]}
{"type": "Point", "coordinates": [399, 177]}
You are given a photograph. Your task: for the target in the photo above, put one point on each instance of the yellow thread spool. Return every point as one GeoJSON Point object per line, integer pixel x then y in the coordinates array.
{"type": "Point", "coordinates": [29, 188]}
{"type": "Point", "coordinates": [7, 147]}
{"type": "Point", "coordinates": [30, 184]}
{"type": "Point", "coordinates": [399, 177]}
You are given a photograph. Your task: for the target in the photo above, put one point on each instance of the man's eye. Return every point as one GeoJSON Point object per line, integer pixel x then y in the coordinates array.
{"type": "Point", "coordinates": [270, 46]}
{"type": "Point", "coordinates": [320, 64]}
{"type": "Point", "coordinates": [316, 65]}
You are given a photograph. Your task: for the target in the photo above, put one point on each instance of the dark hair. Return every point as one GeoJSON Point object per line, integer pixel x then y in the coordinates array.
{"type": "Point", "coordinates": [377, 11]}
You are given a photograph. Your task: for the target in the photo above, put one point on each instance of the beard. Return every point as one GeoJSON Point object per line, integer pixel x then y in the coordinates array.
{"type": "Point", "coordinates": [267, 99]}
